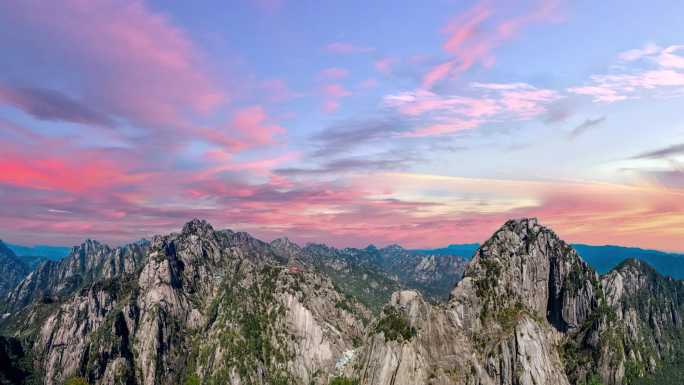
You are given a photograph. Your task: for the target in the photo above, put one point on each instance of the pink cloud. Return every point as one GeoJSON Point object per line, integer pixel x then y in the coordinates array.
{"type": "Point", "coordinates": [639, 53]}
{"type": "Point", "coordinates": [76, 172]}
{"type": "Point", "coordinates": [334, 73]}
{"type": "Point", "coordinates": [600, 93]}
{"type": "Point", "coordinates": [437, 73]}
{"type": "Point", "coordinates": [470, 41]}
{"type": "Point", "coordinates": [528, 103]}
{"type": "Point", "coordinates": [659, 69]}
{"type": "Point", "coordinates": [494, 102]}
{"type": "Point", "coordinates": [133, 63]}
{"type": "Point", "coordinates": [669, 59]}
{"type": "Point", "coordinates": [253, 124]}
{"type": "Point", "coordinates": [335, 91]}
{"type": "Point", "coordinates": [421, 102]}
{"type": "Point", "coordinates": [444, 128]}
{"type": "Point", "coordinates": [249, 127]}
{"type": "Point", "coordinates": [384, 65]}
{"type": "Point", "coordinates": [331, 106]}
{"type": "Point", "coordinates": [347, 48]}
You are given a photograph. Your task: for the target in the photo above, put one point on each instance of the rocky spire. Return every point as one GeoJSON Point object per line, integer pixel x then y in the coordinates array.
{"type": "Point", "coordinates": [197, 227]}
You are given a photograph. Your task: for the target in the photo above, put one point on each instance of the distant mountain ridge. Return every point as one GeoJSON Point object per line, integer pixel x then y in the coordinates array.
{"type": "Point", "coordinates": [601, 258]}
{"type": "Point", "coordinates": [205, 306]}
{"type": "Point", "coordinates": [12, 270]}
{"type": "Point", "coordinates": [54, 253]}
{"type": "Point", "coordinates": [372, 274]}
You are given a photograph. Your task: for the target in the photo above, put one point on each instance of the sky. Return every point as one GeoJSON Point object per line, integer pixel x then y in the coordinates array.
{"type": "Point", "coordinates": [343, 122]}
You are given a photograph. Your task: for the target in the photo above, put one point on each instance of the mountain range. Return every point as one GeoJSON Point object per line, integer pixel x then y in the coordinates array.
{"type": "Point", "coordinates": [206, 306]}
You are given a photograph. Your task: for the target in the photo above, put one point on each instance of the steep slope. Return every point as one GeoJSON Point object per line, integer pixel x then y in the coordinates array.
{"type": "Point", "coordinates": [87, 263]}
{"type": "Point", "coordinates": [12, 270]}
{"type": "Point", "coordinates": [529, 311]}
{"type": "Point", "coordinates": [215, 307]}
{"type": "Point", "coordinates": [202, 304]}
{"type": "Point", "coordinates": [15, 366]}
{"type": "Point", "coordinates": [373, 274]}
{"type": "Point", "coordinates": [434, 275]}
{"type": "Point", "coordinates": [645, 332]}
{"type": "Point", "coordinates": [353, 271]}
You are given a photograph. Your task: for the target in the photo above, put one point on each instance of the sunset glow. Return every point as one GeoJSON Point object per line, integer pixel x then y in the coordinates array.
{"type": "Point", "coordinates": [342, 123]}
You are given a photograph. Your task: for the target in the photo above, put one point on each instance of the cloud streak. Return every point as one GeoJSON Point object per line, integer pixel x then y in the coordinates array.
{"type": "Point", "coordinates": [133, 63]}
{"type": "Point", "coordinates": [585, 126]}
{"type": "Point", "coordinates": [51, 105]}
{"type": "Point", "coordinates": [473, 36]}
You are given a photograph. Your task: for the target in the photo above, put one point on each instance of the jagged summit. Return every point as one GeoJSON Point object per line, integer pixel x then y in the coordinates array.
{"type": "Point", "coordinates": [284, 241]}
{"type": "Point", "coordinates": [393, 247]}
{"type": "Point", "coordinates": [197, 226]}
{"type": "Point", "coordinates": [223, 305]}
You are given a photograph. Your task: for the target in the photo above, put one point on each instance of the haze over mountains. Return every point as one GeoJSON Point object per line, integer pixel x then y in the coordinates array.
{"type": "Point", "coordinates": [204, 306]}
{"type": "Point", "coordinates": [601, 258]}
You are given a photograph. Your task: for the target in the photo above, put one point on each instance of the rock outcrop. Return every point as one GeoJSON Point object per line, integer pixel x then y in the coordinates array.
{"type": "Point", "coordinates": [216, 305]}
{"type": "Point", "coordinates": [212, 307]}
{"type": "Point", "coordinates": [12, 270]}
{"type": "Point", "coordinates": [87, 263]}
{"type": "Point", "coordinates": [530, 311]}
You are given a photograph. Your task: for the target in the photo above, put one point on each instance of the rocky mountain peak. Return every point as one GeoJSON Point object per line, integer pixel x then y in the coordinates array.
{"type": "Point", "coordinates": [197, 227]}
{"type": "Point", "coordinates": [12, 269]}
{"type": "Point", "coordinates": [526, 264]}
{"type": "Point", "coordinates": [393, 247]}
{"type": "Point", "coordinates": [284, 242]}
{"type": "Point", "coordinates": [286, 248]}
{"type": "Point", "coordinates": [90, 246]}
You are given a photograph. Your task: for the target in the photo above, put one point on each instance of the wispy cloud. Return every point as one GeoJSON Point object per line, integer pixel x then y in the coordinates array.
{"type": "Point", "coordinates": [675, 149]}
{"type": "Point", "coordinates": [333, 93]}
{"type": "Point", "coordinates": [649, 69]}
{"type": "Point", "coordinates": [477, 32]}
{"type": "Point", "coordinates": [53, 105]}
{"type": "Point", "coordinates": [158, 72]}
{"type": "Point", "coordinates": [488, 102]}
{"type": "Point", "coordinates": [585, 126]}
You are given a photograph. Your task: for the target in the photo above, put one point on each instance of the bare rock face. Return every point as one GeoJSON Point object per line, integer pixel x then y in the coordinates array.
{"type": "Point", "coordinates": [85, 264]}
{"type": "Point", "coordinates": [12, 270]}
{"type": "Point", "coordinates": [530, 311]}
{"type": "Point", "coordinates": [521, 291]}
{"type": "Point", "coordinates": [221, 307]}
{"type": "Point", "coordinates": [526, 265]}
{"type": "Point", "coordinates": [646, 319]}
{"type": "Point", "coordinates": [215, 305]}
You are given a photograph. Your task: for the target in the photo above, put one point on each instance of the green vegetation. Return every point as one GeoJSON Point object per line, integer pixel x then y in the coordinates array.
{"type": "Point", "coordinates": [76, 381]}
{"type": "Point", "coordinates": [343, 381]}
{"type": "Point", "coordinates": [192, 379]}
{"type": "Point", "coordinates": [670, 374]}
{"type": "Point", "coordinates": [508, 318]}
{"type": "Point", "coordinates": [249, 336]}
{"type": "Point", "coordinates": [394, 326]}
